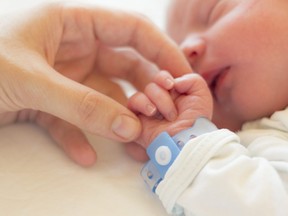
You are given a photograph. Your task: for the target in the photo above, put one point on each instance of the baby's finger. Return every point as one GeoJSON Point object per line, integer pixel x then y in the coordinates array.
{"type": "Point", "coordinates": [162, 100]}
{"type": "Point", "coordinates": [164, 79]}
{"type": "Point", "coordinates": [140, 103]}
{"type": "Point", "coordinates": [190, 84]}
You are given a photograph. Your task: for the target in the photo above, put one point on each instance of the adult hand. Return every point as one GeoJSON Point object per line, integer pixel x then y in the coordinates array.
{"type": "Point", "coordinates": [49, 52]}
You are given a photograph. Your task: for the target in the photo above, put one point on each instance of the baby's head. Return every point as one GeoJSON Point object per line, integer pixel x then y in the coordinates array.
{"type": "Point", "coordinates": [240, 47]}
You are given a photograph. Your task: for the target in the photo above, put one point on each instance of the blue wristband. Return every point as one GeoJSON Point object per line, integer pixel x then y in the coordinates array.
{"type": "Point", "coordinates": [200, 126]}
{"type": "Point", "coordinates": [164, 150]}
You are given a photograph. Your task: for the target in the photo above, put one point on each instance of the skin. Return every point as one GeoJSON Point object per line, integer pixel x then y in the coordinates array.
{"type": "Point", "coordinates": [187, 97]}
{"type": "Point", "coordinates": [56, 64]}
{"type": "Point", "coordinates": [240, 48]}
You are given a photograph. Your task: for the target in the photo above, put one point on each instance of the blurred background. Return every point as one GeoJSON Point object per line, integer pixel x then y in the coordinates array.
{"type": "Point", "coordinates": [155, 10]}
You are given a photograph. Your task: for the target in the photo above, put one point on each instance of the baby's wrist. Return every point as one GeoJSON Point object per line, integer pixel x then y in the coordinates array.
{"type": "Point", "coordinates": [164, 149]}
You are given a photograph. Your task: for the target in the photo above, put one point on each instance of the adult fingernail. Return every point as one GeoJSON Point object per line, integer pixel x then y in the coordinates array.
{"type": "Point", "coordinates": [126, 127]}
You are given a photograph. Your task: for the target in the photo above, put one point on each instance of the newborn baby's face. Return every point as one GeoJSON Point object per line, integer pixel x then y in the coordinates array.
{"type": "Point", "coordinates": [240, 48]}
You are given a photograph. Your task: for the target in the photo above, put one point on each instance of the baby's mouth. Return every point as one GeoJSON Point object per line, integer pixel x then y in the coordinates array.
{"type": "Point", "coordinates": [216, 80]}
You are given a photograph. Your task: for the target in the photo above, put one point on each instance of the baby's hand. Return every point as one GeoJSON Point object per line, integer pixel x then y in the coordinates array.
{"type": "Point", "coordinates": [180, 102]}
{"type": "Point", "coordinates": [156, 100]}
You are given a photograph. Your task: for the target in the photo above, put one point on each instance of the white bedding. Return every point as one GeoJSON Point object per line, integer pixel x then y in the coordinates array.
{"type": "Point", "coordinates": [37, 179]}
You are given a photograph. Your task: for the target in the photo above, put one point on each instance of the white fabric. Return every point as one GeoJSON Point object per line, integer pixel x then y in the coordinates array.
{"type": "Point", "coordinates": [217, 174]}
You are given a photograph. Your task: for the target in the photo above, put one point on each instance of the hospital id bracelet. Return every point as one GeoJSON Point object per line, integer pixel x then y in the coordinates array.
{"type": "Point", "coordinates": [164, 150]}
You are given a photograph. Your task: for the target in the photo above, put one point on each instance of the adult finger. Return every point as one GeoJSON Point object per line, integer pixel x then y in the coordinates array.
{"type": "Point", "coordinates": [125, 63]}
{"type": "Point", "coordinates": [70, 138]}
{"type": "Point", "coordinates": [46, 90]}
{"type": "Point", "coordinates": [116, 28]}
{"type": "Point", "coordinates": [106, 86]}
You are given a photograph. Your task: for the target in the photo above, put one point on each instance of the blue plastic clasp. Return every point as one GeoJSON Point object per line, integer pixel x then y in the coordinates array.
{"type": "Point", "coordinates": [162, 153]}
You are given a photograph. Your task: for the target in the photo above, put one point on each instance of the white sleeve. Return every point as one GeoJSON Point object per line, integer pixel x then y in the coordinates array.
{"type": "Point", "coordinates": [215, 175]}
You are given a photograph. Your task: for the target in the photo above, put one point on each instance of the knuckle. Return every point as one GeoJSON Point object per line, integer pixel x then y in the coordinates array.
{"type": "Point", "coordinates": [87, 108]}
{"type": "Point", "coordinates": [142, 18]}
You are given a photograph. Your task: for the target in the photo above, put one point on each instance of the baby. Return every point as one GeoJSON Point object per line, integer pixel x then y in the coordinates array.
{"type": "Point", "coordinates": [239, 50]}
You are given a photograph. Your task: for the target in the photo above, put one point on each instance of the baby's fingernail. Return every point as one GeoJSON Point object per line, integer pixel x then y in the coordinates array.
{"type": "Point", "coordinates": [151, 110]}
{"type": "Point", "coordinates": [125, 127]}
{"type": "Point", "coordinates": [169, 83]}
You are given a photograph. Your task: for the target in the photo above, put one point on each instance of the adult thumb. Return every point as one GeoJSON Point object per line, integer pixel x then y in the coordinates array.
{"type": "Point", "coordinates": [84, 107]}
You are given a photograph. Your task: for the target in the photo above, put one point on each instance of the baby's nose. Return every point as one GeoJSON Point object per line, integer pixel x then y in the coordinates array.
{"type": "Point", "coordinates": [193, 48]}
